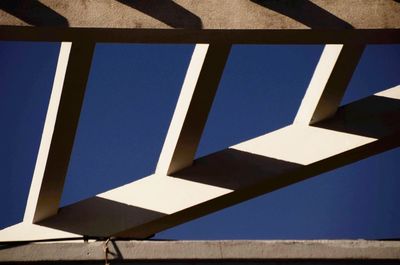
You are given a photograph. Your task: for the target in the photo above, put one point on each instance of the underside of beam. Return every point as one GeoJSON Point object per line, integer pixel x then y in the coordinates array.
{"type": "Point", "coordinates": [247, 36]}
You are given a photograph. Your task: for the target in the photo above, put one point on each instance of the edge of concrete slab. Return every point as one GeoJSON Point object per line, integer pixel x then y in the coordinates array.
{"type": "Point", "coordinates": [203, 250]}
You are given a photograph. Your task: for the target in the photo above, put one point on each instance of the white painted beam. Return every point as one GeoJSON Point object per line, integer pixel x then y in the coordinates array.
{"type": "Point", "coordinates": [194, 103]}
{"type": "Point", "coordinates": [47, 134]}
{"type": "Point", "coordinates": [329, 82]}
{"type": "Point", "coordinates": [59, 130]}
{"type": "Point", "coordinates": [255, 167]}
{"type": "Point", "coordinates": [26, 231]}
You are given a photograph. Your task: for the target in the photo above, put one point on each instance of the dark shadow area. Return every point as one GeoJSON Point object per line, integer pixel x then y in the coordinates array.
{"type": "Point", "coordinates": [99, 217]}
{"type": "Point", "coordinates": [115, 252]}
{"type": "Point", "coordinates": [166, 11]}
{"type": "Point", "coordinates": [305, 12]}
{"type": "Point", "coordinates": [8, 245]}
{"type": "Point", "coordinates": [235, 169]}
{"type": "Point", "coordinates": [373, 116]}
{"type": "Point", "coordinates": [33, 12]}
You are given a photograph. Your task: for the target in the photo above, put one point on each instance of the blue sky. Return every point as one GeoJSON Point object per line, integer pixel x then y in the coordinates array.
{"type": "Point", "coordinates": [129, 101]}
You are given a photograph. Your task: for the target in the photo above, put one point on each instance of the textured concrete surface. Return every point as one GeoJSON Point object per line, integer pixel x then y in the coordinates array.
{"type": "Point", "coordinates": [204, 251]}
{"type": "Point", "coordinates": [331, 21]}
{"type": "Point", "coordinates": [209, 14]}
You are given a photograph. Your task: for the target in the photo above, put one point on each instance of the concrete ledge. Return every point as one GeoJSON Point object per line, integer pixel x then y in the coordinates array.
{"type": "Point", "coordinates": [206, 21]}
{"type": "Point", "coordinates": [205, 14]}
{"type": "Point", "coordinates": [232, 250]}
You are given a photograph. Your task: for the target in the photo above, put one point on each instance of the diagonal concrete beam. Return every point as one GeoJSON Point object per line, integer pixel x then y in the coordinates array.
{"type": "Point", "coordinates": [329, 82]}
{"type": "Point", "coordinates": [59, 130]}
{"type": "Point", "coordinates": [194, 103]}
{"type": "Point", "coordinates": [255, 167]}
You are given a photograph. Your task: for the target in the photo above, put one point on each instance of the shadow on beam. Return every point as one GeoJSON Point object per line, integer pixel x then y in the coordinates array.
{"type": "Point", "coordinates": [167, 12]}
{"type": "Point", "coordinates": [34, 13]}
{"type": "Point", "coordinates": [374, 116]}
{"type": "Point", "coordinates": [250, 175]}
{"type": "Point", "coordinates": [100, 217]}
{"type": "Point", "coordinates": [305, 12]}
{"type": "Point", "coordinates": [235, 169]}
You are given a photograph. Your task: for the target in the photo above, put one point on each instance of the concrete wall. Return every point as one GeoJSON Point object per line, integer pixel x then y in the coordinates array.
{"type": "Point", "coordinates": [209, 14]}
{"type": "Point", "coordinates": [207, 252]}
{"type": "Point", "coordinates": [242, 21]}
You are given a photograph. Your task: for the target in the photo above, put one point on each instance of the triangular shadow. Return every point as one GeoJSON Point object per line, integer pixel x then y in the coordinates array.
{"type": "Point", "coordinates": [99, 217]}
{"type": "Point", "coordinates": [305, 12]}
{"type": "Point", "coordinates": [167, 12]}
{"type": "Point", "coordinates": [33, 12]}
{"type": "Point", "coordinates": [374, 116]}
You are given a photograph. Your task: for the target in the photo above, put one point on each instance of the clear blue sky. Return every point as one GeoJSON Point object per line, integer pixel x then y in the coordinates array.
{"type": "Point", "coordinates": [130, 98]}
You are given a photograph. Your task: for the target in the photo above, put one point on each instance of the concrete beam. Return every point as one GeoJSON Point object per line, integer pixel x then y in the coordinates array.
{"type": "Point", "coordinates": [209, 14]}
{"type": "Point", "coordinates": [59, 130]}
{"type": "Point", "coordinates": [275, 251]}
{"type": "Point", "coordinates": [317, 21]}
{"type": "Point", "coordinates": [329, 82]}
{"type": "Point", "coordinates": [365, 36]}
{"type": "Point", "coordinates": [255, 167]}
{"type": "Point", "coordinates": [194, 103]}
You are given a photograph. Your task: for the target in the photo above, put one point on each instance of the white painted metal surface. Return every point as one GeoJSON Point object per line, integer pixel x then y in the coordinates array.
{"type": "Point", "coordinates": [329, 82]}
{"type": "Point", "coordinates": [47, 135]}
{"type": "Point", "coordinates": [193, 105]}
{"type": "Point", "coordinates": [59, 130]}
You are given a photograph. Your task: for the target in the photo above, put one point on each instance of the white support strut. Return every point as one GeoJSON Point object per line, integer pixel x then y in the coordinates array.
{"type": "Point", "coordinates": [59, 130]}
{"type": "Point", "coordinates": [194, 103]}
{"type": "Point", "coordinates": [329, 82]}
{"type": "Point", "coordinates": [47, 134]}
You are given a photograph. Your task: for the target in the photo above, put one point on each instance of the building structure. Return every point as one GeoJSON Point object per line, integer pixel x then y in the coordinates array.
{"type": "Point", "coordinates": [180, 189]}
